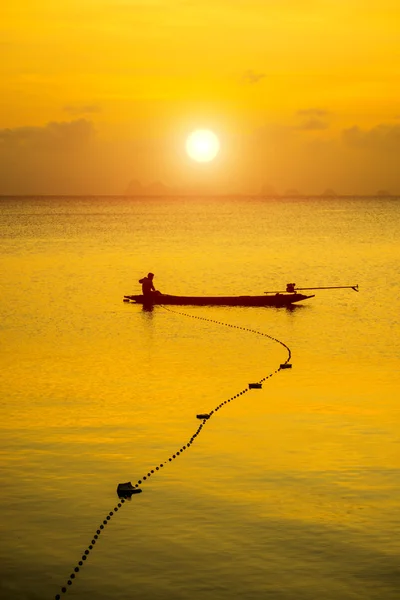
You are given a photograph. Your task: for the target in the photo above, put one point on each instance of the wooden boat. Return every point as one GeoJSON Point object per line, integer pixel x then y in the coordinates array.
{"type": "Point", "coordinates": [279, 299]}
{"type": "Point", "coordinates": [287, 297]}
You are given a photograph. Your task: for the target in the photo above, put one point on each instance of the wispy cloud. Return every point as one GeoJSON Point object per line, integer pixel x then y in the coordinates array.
{"type": "Point", "coordinates": [313, 119]}
{"type": "Point", "coordinates": [313, 125]}
{"type": "Point", "coordinates": [312, 112]}
{"type": "Point", "coordinates": [252, 77]}
{"type": "Point", "coordinates": [82, 110]}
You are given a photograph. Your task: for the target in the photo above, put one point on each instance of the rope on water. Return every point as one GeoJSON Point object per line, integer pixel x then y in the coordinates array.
{"type": "Point", "coordinates": [235, 327]}
{"type": "Point", "coordinates": [126, 490]}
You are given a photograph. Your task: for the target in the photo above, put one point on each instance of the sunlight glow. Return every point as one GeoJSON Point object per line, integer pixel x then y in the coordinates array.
{"type": "Point", "coordinates": [202, 145]}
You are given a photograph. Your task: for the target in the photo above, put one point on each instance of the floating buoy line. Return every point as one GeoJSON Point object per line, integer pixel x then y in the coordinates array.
{"type": "Point", "coordinates": [126, 490]}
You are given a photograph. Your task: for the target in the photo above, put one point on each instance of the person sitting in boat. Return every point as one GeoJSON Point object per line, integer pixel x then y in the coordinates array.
{"type": "Point", "coordinates": [148, 288]}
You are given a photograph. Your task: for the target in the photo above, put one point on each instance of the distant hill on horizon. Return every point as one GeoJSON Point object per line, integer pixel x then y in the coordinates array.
{"type": "Point", "coordinates": [157, 188]}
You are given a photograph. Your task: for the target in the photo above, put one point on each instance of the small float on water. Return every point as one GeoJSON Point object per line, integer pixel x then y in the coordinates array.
{"type": "Point", "coordinates": [277, 299]}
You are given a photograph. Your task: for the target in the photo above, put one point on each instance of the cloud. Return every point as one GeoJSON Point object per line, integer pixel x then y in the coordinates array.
{"type": "Point", "coordinates": [313, 119]}
{"type": "Point", "coordinates": [384, 137]}
{"type": "Point", "coordinates": [313, 125]}
{"type": "Point", "coordinates": [312, 112]}
{"type": "Point", "coordinates": [69, 158]}
{"type": "Point", "coordinates": [82, 110]}
{"type": "Point", "coordinates": [54, 137]}
{"type": "Point", "coordinates": [251, 77]}
{"type": "Point", "coordinates": [51, 159]}
{"type": "Point", "coordinates": [352, 161]}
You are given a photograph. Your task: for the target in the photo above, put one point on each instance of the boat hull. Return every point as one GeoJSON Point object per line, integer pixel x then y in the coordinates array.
{"type": "Point", "coordinates": [276, 300]}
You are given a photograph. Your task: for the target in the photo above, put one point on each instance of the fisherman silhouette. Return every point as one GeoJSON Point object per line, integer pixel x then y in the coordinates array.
{"type": "Point", "coordinates": [148, 288]}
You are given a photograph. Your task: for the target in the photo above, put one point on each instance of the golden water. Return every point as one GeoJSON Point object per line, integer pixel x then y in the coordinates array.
{"type": "Point", "coordinates": [290, 492]}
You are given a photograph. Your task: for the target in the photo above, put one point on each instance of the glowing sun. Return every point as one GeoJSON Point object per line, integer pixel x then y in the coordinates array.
{"type": "Point", "coordinates": [202, 145]}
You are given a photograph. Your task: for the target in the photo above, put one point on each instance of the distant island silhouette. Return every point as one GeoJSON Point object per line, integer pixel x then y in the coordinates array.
{"type": "Point", "coordinates": [159, 189]}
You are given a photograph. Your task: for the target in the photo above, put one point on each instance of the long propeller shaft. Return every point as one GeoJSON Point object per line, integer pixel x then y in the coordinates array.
{"type": "Point", "coordinates": [291, 288]}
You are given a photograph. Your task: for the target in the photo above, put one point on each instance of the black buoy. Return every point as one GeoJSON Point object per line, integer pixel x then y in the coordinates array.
{"type": "Point", "coordinates": [125, 490]}
{"type": "Point", "coordinates": [203, 416]}
{"type": "Point", "coordinates": [286, 366]}
{"type": "Point", "coordinates": [255, 386]}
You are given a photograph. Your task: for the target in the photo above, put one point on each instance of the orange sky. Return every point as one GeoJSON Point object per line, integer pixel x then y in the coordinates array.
{"type": "Point", "coordinates": [304, 94]}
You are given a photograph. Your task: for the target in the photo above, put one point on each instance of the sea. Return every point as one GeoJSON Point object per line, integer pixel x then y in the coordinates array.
{"type": "Point", "coordinates": [289, 491]}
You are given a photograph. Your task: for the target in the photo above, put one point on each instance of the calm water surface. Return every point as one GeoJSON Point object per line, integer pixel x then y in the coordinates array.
{"type": "Point", "coordinates": [290, 492]}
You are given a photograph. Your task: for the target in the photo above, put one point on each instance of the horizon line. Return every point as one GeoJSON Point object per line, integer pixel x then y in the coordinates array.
{"type": "Point", "coordinates": [208, 195]}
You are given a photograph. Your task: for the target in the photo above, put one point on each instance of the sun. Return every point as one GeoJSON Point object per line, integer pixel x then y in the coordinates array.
{"type": "Point", "coordinates": [202, 145]}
